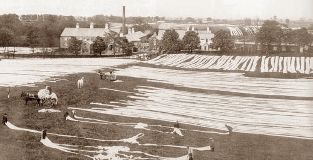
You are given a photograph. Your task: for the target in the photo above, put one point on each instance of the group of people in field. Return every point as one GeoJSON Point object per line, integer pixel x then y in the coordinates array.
{"type": "Point", "coordinates": [107, 75]}
{"type": "Point", "coordinates": [5, 120]}
{"type": "Point", "coordinates": [211, 140]}
{"type": "Point", "coordinates": [190, 155]}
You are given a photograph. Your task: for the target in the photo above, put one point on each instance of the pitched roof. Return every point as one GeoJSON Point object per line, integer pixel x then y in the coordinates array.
{"type": "Point", "coordinates": [84, 32]}
{"type": "Point", "coordinates": [205, 35]}
{"type": "Point", "coordinates": [132, 37]}
{"type": "Point", "coordinates": [160, 34]}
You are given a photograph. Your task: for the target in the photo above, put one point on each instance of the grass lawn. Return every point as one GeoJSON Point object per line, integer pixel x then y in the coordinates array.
{"type": "Point", "coordinates": [20, 145]}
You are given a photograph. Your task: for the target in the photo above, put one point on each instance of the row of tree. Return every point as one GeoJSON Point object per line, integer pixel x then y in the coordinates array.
{"type": "Point", "coordinates": [273, 33]}
{"type": "Point", "coordinates": [41, 33]}
{"type": "Point", "coordinates": [270, 34]}
{"type": "Point", "coordinates": [191, 41]}
{"type": "Point", "coordinates": [44, 30]}
{"type": "Point", "coordinates": [171, 42]}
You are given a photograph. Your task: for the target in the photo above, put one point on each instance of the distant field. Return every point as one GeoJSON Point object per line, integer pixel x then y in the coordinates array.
{"type": "Point", "coordinates": [27, 50]}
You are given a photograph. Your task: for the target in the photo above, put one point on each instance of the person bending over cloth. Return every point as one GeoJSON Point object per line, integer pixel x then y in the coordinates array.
{"type": "Point", "coordinates": [177, 130]}
{"type": "Point", "coordinates": [112, 76]}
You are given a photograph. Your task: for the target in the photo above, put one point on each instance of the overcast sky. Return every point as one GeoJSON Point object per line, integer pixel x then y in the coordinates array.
{"type": "Point", "coordinates": [233, 9]}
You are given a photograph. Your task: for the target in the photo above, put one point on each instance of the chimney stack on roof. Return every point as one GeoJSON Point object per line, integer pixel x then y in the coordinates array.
{"type": "Point", "coordinates": [208, 30]}
{"type": "Point", "coordinates": [129, 30]}
{"type": "Point", "coordinates": [133, 30]}
{"type": "Point", "coordinates": [106, 26]}
{"type": "Point", "coordinates": [124, 22]}
{"type": "Point", "coordinates": [77, 25]}
{"type": "Point", "coordinates": [91, 25]}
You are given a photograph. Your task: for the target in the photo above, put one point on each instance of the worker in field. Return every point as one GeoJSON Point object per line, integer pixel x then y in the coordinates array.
{"type": "Point", "coordinates": [4, 119]}
{"type": "Point", "coordinates": [189, 154]}
{"type": "Point", "coordinates": [66, 114]}
{"type": "Point", "coordinates": [229, 128]}
{"type": "Point", "coordinates": [176, 125]}
{"type": "Point", "coordinates": [211, 144]}
{"type": "Point", "coordinates": [44, 134]}
{"type": "Point", "coordinates": [74, 113]}
{"type": "Point", "coordinates": [9, 90]}
{"type": "Point", "coordinates": [177, 130]}
{"type": "Point", "coordinates": [112, 76]}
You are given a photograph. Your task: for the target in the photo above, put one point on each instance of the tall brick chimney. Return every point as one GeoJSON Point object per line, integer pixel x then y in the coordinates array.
{"type": "Point", "coordinates": [124, 22]}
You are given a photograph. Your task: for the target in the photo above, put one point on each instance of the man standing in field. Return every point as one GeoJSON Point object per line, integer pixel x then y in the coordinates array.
{"type": "Point", "coordinates": [211, 144]}
{"type": "Point", "coordinates": [4, 119]}
{"type": "Point", "coordinates": [44, 134]}
{"type": "Point", "coordinates": [189, 154]}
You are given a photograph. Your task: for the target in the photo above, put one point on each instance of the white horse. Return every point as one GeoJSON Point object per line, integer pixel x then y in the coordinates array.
{"type": "Point", "coordinates": [80, 82]}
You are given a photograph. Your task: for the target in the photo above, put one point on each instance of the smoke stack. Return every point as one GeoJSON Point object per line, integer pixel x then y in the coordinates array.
{"type": "Point", "coordinates": [124, 21]}
{"type": "Point", "coordinates": [77, 25]}
{"type": "Point", "coordinates": [208, 30]}
{"type": "Point", "coordinates": [91, 25]}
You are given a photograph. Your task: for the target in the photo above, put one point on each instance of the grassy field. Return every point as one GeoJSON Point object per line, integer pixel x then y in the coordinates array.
{"type": "Point", "coordinates": [19, 145]}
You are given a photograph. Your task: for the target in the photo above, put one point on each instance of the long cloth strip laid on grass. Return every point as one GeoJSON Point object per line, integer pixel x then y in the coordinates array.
{"type": "Point", "coordinates": [272, 64]}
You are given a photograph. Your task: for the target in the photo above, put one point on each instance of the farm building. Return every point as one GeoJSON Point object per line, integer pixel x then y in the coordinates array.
{"type": "Point", "coordinates": [87, 35]}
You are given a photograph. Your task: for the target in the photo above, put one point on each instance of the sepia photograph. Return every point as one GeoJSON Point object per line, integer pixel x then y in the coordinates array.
{"type": "Point", "coordinates": [156, 79]}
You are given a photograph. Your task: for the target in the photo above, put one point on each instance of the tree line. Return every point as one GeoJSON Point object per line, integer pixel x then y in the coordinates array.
{"type": "Point", "coordinates": [101, 44]}
{"type": "Point", "coordinates": [172, 44]}
{"type": "Point", "coordinates": [273, 33]}
{"type": "Point", "coordinates": [45, 30]}
{"type": "Point", "coordinates": [270, 34]}
{"type": "Point", "coordinates": [41, 33]}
